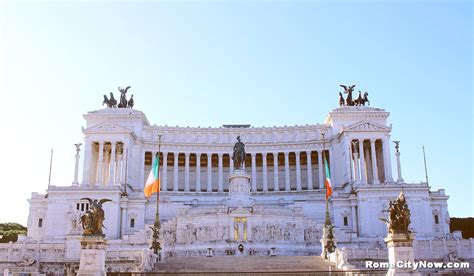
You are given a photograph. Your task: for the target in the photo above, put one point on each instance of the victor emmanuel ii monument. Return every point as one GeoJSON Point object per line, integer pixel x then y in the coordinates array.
{"type": "Point", "coordinates": [258, 196]}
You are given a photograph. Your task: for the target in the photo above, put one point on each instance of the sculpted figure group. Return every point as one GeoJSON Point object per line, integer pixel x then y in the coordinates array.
{"type": "Point", "coordinates": [399, 216]}
{"type": "Point", "coordinates": [123, 103]}
{"type": "Point", "coordinates": [93, 220]}
{"type": "Point", "coordinates": [360, 101]}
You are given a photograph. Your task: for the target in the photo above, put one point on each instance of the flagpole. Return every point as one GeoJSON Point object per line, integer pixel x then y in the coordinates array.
{"type": "Point", "coordinates": [50, 166]}
{"type": "Point", "coordinates": [155, 245]}
{"type": "Point", "coordinates": [426, 170]}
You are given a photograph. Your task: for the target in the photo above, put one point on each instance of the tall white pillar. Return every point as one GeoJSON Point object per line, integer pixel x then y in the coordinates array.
{"type": "Point", "coordinates": [320, 170]}
{"type": "Point", "coordinates": [76, 166]}
{"type": "Point", "coordinates": [254, 172]}
{"type": "Point", "coordinates": [124, 164]}
{"type": "Point", "coordinates": [363, 170]}
{"type": "Point", "coordinates": [175, 171]}
{"type": "Point", "coordinates": [375, 173]}
{"type": "Point", "coordinates": [298, 171]}
{"type": "Point", "coordinates": [112, 164]}
{"type": "Point", "coordinates": [399, 166]}
{"type": "Point", "coordinates": [209, 172]}
{"type": "Point", "coordinates": [105, 179]}
{"type": "Point", "coordinates": [347, 163]}
{"type": "Point", "coordinates": [220, 187]}
{"type": "Point", "coordinates": [387, 161]}
{"type": "Point", "coordinates": [310, 170]}
{"type": "Point", "coordinates": [276, 185]}
{"type": "Point", "coordinates": [198, 172]}
{"type": "Point", "coordinates": [231, 164]}
{"type": "Point", "coordinates": [287, 172]}
{"type": "Point", "coordinates": [100, 164]}
{"type": "Point", "coordinates": [118, 167]}
{"type": "Point", "coordinates": [164, 184]}
{"type": "Point", "coordinates": [264, 172]}
{"type": "Point", "coordinates": [186, 171]}
{"type": "Point", "coordinates": [86, 172]}
{"type": "Point", "coordinates": [332, 165]}
{"type": "Point", "coordinates": [356, 166]}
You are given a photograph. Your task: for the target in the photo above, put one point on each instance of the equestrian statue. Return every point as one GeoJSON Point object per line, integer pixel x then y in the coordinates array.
{"type": "Point", "coordinates": [112, 102]}
{"type": "Point", "coordinates": [239, 154]}
{"type": "Point", "coordinates": [360, 101]}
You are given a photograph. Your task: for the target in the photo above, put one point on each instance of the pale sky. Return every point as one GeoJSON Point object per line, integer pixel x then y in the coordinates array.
{"type": "Point", "coordinates": [189, 62]}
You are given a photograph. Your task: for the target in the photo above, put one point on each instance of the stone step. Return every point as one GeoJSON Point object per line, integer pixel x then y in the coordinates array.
{"type": "Point", "coordinates": [246, 264]}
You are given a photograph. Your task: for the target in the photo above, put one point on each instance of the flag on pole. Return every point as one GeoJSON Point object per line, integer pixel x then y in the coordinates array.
{"type": "Point", "coordinates": [327, 182]}
{"type": "Point", "coordinates": [153, 182]}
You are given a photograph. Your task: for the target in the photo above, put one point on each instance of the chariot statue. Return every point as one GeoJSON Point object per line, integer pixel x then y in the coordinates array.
{"type": "Point", "coordinates": [359, 101]}
{"type": "Point", "coordinates": [239, 154]}
{"type": "Point", "coordinates": [93, 220]}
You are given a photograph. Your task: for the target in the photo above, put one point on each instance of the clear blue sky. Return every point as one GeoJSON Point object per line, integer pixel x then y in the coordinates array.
{"type": "Point", "coordinates": [188, 63]}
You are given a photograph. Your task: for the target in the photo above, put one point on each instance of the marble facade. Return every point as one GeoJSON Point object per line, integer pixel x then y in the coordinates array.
{"type": "Point", "coordinates": [280, 211]}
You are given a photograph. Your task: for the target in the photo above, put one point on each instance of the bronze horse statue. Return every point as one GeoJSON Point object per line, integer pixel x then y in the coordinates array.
{"type": "Point", "coordinates": [348, 90]}
{"type": "Point", "coordinates": [360, 101]}
{"type": "Point", "coordinates": [239, 154]}
{"type": "Point", "coordinates": [123, 99]}
{"type": "Point", "coordinates": [341, 99]}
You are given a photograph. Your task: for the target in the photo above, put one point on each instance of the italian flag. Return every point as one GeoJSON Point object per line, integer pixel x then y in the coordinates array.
{"type": "Point", "coordinates": [327, 182]}
{"type": "Point", "coordinates": [153, 182]}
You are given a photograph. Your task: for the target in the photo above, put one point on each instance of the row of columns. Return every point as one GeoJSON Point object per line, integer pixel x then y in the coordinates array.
{"type": "Point", "coordinates": [231, 167]}
{"type": "Point", "coordinates": [109, 166]}
{"type": "Point", "coordinates": [360, 166]}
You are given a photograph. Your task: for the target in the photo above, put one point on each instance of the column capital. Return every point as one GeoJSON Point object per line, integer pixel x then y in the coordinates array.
{"type": "Point", "coordinates": [165, 153]}
{"type": "Point", "coordinates": [320, 151]}
{"type": "Point", "coordinates": [264, 153]}
{"type": "Point", "coordinates": [372, 140]}
{"type": "Point", "coordinates": [286, 153]}
{"type": "Point", "coordinates": [253, 155]}
{"type": "Point", "coordinates": [220, 154]}
{"type": "Point", "coordinates": [361, 140]}
{"type": "Point", "coordinates": [198, 154]}
{"type": "Point", "coordinates": [186, 154]}
{"type": "Point", "coordinates": [297, 153]}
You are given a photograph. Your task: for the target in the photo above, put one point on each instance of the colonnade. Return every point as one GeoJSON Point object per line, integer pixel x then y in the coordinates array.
{"type": "Point", "coordinates": [209, 169]}
{"type": "Point", "coordinates": [370, 161]}
{"type": "Point", "coordinates": [105, 163]}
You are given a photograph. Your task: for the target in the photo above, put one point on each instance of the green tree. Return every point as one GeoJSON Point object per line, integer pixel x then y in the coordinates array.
{"type": "Point", "coordinates": [10, 231]}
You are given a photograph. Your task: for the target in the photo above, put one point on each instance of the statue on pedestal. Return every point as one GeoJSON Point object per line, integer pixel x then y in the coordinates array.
{"type": "Point", "coordinates": [93, 220]}
{"type": "Point", "coordinates": [239, 154]}
{"type": "Point", "coordinates": [399, 216]}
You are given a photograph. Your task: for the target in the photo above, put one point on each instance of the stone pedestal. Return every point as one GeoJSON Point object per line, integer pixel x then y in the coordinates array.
{"type": "Point", "coordinates": [92, 261]}
{"type": "Point", "coordinates": [400, 251]}
{"type": "Point", "coordinates": [239, 189]}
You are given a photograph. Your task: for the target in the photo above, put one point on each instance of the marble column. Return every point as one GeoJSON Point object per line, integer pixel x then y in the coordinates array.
{"type": "Point", "coordinates": [198, 172]}
{"type": "Point", "coordinates": [276, 185]}
{"type": "Point", "coordinates": [332, 166]}
{"type": "Point", "coordinates": [100, 164]}
{"type": "Point", "coordinates": [75, 182]}
{"type": "Point", "coordinates": [86, 173]}
{"type": "Point", "coordinates": [118, 172]}
{"type": "Point", "coordinates": [287, 172]}
{"type": "Point", "coordinates": [220, 187]}
{"type": "Point", "coordinates": [141, 167]}
{"type": "Point", "coordinates": [375, 173]}
{"type": "Point", "coordinates": [387, 161]}
{"type": "Point", "coordinates": [105, 179]}
{"type": "Point", "coordinates": [164, 185]}
{"type": "Point", "coordinates": [186, 171]}
{"type": "Point", "coordinates": [298, 171]}
{"type": "Point", "coordinates": [399, 167]}
{"type": "Point", "coordinates": [209, 172]}
{"type": "Point", "coordinates": [254, 172]}
{"type": "Point", "coordinates": [231, 164]}
{"type": "Point", "coordinates": [321, 169]}
{"type": "Point", "coordinates": [175, 171]}
{"type": "Point", "coordinates": [310, 170]}
{"type": "Point", "coordinates": [112, 164]}
{"type": "Point", "coordinates": [264, 172]}
{"type": "Point", "coordinates": [356, 166]}
{"type": "Point", "coordinates": [363, 170]}
{"type": "Point", "coordinates": [124, 163]}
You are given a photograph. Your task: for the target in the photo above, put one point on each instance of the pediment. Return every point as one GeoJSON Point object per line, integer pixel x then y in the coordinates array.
{"type": "Point", "coordinates": [106, 128]}
{"type": "Point", "coordinates": [366, 126]}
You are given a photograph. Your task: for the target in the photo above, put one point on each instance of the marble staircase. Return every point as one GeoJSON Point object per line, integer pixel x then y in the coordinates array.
{"type": "Point", "coordinates": [242, 264]}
